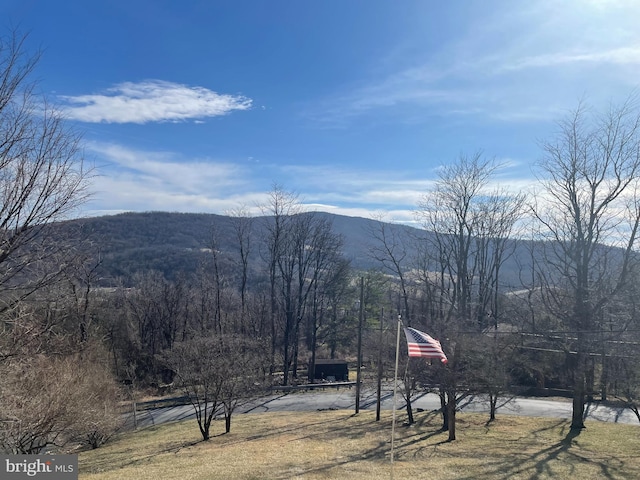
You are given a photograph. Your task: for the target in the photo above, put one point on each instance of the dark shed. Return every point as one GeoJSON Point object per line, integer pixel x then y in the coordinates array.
{"type": "Point", "coordinates": [331, 370]}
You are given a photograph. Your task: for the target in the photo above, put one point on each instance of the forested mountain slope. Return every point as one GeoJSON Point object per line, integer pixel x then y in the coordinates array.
{"type": "Point", "coordinates": [130, 243]}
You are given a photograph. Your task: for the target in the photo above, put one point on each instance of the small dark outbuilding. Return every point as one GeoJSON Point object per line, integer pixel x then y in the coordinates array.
{"type": "Point", "coordinates": [331, 370]}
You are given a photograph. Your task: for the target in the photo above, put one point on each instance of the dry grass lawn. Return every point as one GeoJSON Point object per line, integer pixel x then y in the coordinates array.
{"type": "Point", "coordinates": [339, 445]}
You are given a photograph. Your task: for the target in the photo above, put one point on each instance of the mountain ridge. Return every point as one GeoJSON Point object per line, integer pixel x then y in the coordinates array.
{"type": "Point", "coordinates": [173, 242]}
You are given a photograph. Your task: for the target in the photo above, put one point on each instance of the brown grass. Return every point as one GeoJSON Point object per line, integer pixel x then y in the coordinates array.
{"type": "Point", "coordinates": [339, 445]}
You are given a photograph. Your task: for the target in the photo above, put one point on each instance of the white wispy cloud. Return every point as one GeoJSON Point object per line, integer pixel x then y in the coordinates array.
{"type": "Point", "coordinates": [151, 101]}
{"type": "Point", "coordinates": [515, 63]}
{"type": "Point", "coordinates": [135, 180]}
{"type": "Point", "coordinates": [332, 186]}
{"type": "Point", "coordinates": [616, 56]}
{"type": "Point", "coordinates": [168, 170]}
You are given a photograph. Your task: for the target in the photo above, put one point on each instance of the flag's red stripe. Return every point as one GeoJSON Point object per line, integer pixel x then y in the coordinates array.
{"type": "Point", "coordinates": [416, 350]}
{"type": "Point", "coordinates": [426, 348]}
{"type": "Point", "coordinates": [426, 351]}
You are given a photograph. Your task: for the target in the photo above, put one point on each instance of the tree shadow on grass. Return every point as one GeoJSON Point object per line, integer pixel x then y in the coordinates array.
{"type": "Point", "coordinates": [381, 449]}
{"type": "Point", "coordinates": [272, 432]}
{"type": "Point", "coordinates": [529, 457]}
{"type": "Point", "coordinates": [540, 464]}
{"type": "Point", "coordinates": [106, 463]}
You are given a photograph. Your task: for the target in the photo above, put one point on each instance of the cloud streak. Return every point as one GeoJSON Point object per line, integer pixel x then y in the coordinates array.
{"type": "Point", "coordinates": [616, 56]}
{"type": "Point", "coordinates": [513, 64]}
{"type": "Point", "coordinates": [151, 101]}
{"type": "Point", "coordinates": [136, 180]}
{"type": "Point", "coordinates": [168, 171]}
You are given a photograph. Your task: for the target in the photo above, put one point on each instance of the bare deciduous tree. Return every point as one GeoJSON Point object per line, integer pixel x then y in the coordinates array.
{"type": "Point", "coordinates": [243, 360]}
{"type": "Point", "coordinates": [43, 178]}
{"type": "Point", "coordinates": [589, 203]}
{"type": "Point", "coordinates": [195, 363]}
{"type": "Point", "coordinates": [156, 311]}
{"type": "Point", "coordinates": [278, 211]}
{"type": "Point", "coordinates": [301, 246]}
{"type": "Point", "coordinates": [53, 400]}
{"type": "Point", "coordinates": [392, 250]}
{"type": "Point", "coordinates": [216, 373]}
{"type": "Point", "coordinates": [243, 224]}
{"type": "Point", "coordinates": [470, 222]}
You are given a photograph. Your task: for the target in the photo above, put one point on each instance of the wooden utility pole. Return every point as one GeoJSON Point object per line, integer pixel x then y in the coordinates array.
{"type": "Point", "coordinates": [379, 398]}
{"type": "Point", "coordinates": [360, 322]}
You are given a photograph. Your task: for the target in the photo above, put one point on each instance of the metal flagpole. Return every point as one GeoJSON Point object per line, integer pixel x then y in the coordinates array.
{"type": "Point", "coordinates": [395, 392]}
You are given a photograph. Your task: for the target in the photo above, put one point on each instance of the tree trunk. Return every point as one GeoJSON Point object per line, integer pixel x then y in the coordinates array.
{"type": "Point", "coordinates": [579, 381]}
{"type": "Point", "coordinates": [312, 364]}
{"type": "Point", "coordinates": [577, 421]}
{"type": "Point", "coordinates": [590, 380]}
{"type": "Point", "coordinates": [604, 378]}
{"type": "Point", "coordinates": [227, 423]}
{"type": "Point", "coordinates": [286, 364]}
{"type": "Point", "coordinates": [493, 401]}
{"type": "Point", "coordinates": [451, 409]}
{"type": "Point", "coordinates": [410, 419]}
{"type": "Point", "coordinates": [444, 410]}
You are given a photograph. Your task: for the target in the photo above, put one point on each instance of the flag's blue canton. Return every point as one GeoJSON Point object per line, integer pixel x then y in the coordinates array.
{"type": "Point", "coordinates": [417, 337]}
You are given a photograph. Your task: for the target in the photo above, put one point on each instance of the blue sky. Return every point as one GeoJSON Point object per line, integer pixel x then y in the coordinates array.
{"type": "Point", "coordinates": [202, 106]}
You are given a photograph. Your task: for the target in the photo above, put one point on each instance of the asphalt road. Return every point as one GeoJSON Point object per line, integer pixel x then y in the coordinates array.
{"type": "Point", "coordinates": [344, 398]}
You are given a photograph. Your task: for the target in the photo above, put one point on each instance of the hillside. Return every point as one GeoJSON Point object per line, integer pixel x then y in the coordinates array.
{"type": "Point", "coordinates": [176, 242]}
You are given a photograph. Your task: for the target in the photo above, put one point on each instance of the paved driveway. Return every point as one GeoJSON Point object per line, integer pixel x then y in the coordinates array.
{"type": "Point", "coordinates": [345, 399]}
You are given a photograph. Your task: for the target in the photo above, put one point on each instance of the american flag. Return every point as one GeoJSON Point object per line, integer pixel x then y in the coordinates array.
{"type": "Point", "coordinates": [422, 345]}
